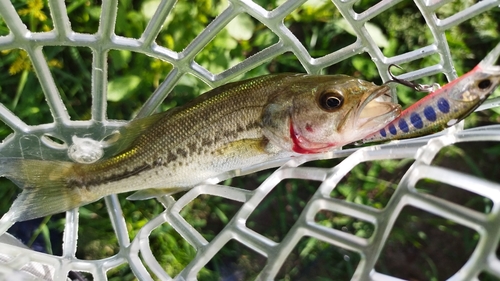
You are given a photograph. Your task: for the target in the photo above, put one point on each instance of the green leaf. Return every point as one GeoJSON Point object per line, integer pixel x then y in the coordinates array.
{"type": "Point", "coordinates": [220, 214]}
{"type": "Point", "coordinates": [241, 27]}
{"type": "Point", "coordinates": [343, 24]}
{"type": "Point", "coordinates": [149, 8]}
{"type": "Point", "coordinates": [374, 31]}
{"type": "Point", "coordinates": [46, 238]}
{"type": "Point", "coordinates": [120, 59]}
{"type": "Point", "coordinates": [377, 35]}
{"type": "Point", "coordinates": [224, 41]}
{"type": "Point", "coordinates": [121, 87]}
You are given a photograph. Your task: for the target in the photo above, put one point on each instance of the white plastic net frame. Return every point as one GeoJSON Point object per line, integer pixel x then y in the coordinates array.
{"type": "Point", "coordinates": [29, 140]}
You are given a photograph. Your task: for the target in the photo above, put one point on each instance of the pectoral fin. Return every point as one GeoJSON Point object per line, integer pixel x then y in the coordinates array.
{"type": "Point", "coordinates": [244, 148]}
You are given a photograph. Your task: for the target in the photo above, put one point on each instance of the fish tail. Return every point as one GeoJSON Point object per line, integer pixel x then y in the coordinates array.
{"type": "Point", "coordinates": [45, 185]}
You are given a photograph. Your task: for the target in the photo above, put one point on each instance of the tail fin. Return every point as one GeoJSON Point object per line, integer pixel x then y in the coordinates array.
{"type": "Point", "coordinates": [45, 187]}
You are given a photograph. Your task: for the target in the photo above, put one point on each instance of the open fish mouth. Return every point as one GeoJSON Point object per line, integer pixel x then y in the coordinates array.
{"type": "Point", "coordinates": [376, 110]}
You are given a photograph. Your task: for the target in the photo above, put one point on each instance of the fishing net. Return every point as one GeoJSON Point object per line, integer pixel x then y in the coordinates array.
{"type": "Point", "coordinates": [305, 245]}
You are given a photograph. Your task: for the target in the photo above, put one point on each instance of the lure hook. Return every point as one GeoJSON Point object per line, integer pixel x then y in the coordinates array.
{"type": "Point", "coordinates": [409, 84]}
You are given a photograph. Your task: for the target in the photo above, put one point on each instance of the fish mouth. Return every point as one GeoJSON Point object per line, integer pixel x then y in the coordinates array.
{"type": "Point", "coordinates": [376, 110]}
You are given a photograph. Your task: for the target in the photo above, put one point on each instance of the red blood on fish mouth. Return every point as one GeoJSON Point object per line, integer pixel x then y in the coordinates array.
{"type": "Point", "coordinates": [299, 140]}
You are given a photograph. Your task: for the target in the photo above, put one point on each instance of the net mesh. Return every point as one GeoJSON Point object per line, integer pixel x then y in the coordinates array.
{"type": "Point", "coordinates": [134, 249]}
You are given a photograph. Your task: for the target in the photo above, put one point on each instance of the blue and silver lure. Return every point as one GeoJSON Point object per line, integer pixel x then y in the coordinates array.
{"type": "Point", "coordinates": [446, 106]}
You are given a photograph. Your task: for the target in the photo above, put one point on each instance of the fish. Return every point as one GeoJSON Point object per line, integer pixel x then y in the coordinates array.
{"type": "Point", "coordinates": [445, 106]}
{"type": "Point", "coordinates": [232, 127]}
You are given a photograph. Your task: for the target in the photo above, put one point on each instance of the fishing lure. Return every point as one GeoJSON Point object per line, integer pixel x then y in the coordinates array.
{"type": "Point", "coordinates": [445, 106]}
{"type": "Point", "coordinates": [415, 86]}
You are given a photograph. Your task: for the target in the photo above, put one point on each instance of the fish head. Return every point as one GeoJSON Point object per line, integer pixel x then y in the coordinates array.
{"type": "Point", "coordinates": [470, 90]}
{"type": "Point", "coordinates": [476, 85]}
{"type": "Point", "coordinates": [317, 113]}
{"type": "Point", "coordinates": [480, 82]}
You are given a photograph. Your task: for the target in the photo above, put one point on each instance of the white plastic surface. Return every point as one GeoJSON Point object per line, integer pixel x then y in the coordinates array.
{"type": "Point", "coordinates": [26, 141]}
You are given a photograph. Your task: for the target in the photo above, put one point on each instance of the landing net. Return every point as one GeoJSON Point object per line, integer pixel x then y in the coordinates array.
{"type": "Point", "coordinates": [314, 230]}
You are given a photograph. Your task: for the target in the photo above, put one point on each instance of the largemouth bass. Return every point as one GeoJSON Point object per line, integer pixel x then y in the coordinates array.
{"type": "Point", "coordinates": [234, 126]}
{"type": "Point", "coordinates": [446, 106]}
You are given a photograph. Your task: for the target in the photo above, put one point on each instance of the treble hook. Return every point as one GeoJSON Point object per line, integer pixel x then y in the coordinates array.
{"type": "Point", "coordinates": [409, 84]}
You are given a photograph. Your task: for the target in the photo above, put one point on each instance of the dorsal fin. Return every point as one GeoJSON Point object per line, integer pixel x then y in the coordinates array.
{"type": "Point", "coordinates": [127, 134]}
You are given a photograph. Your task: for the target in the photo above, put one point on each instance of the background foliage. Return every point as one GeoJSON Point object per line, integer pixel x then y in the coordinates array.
{"type": "Point", "coordinates": [415, 248]}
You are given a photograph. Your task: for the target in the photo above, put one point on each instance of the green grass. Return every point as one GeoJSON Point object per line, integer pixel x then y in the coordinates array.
{"type": "Point", "coordinates": [320, 29]}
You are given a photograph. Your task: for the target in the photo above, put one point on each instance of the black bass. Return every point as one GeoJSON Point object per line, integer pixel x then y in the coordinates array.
{"type": "Point", "coordinates": [447, 105]}
{"type": "Point", "coordinates": [235, 126]}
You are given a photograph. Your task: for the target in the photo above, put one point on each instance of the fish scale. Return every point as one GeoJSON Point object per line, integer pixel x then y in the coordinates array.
{"type": "Point", "coordinates": [179, 139]}
{"type": "Point", "coordinates": [233, 127]}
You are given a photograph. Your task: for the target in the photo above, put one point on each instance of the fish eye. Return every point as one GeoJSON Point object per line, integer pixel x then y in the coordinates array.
{"type": "Point", "coordinates": [330, 101]}
{"type": "Point", "coordinates": [484, 84]}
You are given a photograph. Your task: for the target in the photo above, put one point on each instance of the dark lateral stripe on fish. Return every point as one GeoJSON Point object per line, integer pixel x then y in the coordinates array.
{"type": "Point", "coordinates": [241, 129]}
{"type": "Point", "coordinates": [180, 153]}
{"type": "Point", "coordinates": [87, 184]}
{"type": "Point", "coordinates": [223, 130]}
{"type": "Point", "coordinates": [76, 183]}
